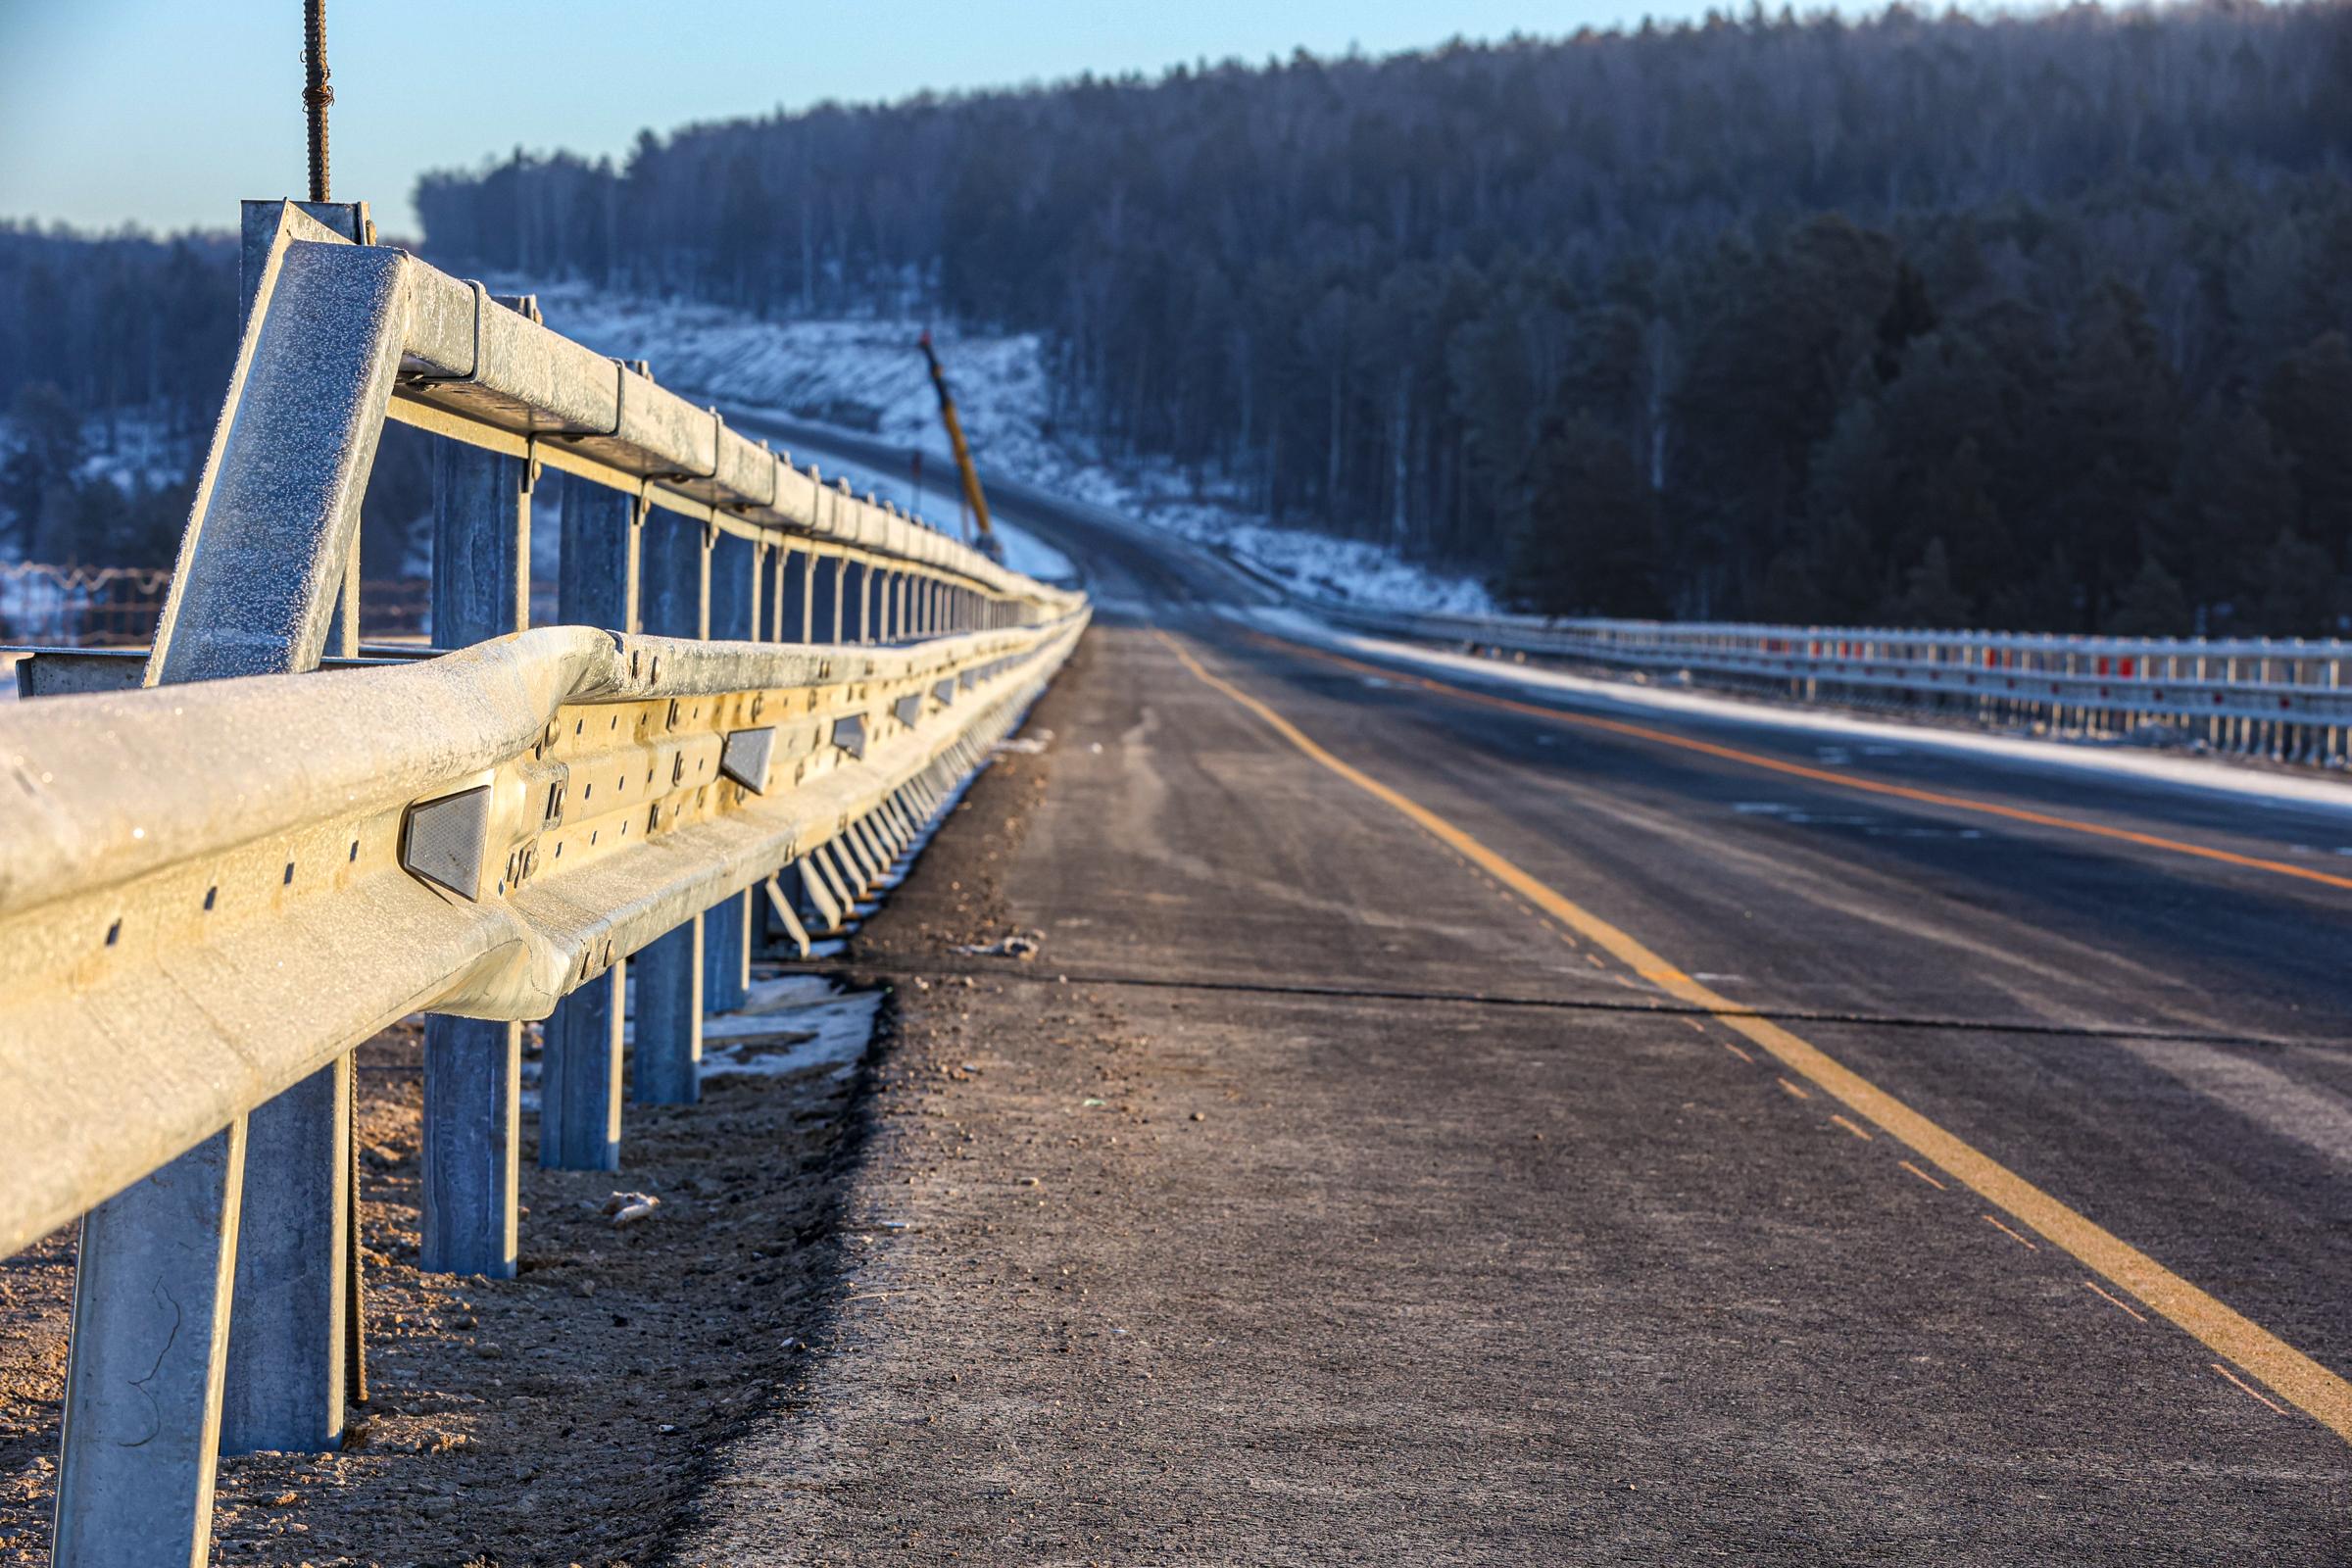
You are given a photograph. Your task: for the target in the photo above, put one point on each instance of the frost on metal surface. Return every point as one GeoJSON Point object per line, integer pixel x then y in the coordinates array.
{"type": "Point", "coordinates": [205, 898]}
{"type": "Point", "coordinates": [212, 887]}
{"type": "Point", "coordinates": [279, 501]}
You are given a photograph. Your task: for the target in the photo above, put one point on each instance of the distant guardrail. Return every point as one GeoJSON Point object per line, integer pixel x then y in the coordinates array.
{"type": "Point", "coordinates": [114, 606]}
{"type": "Point", "coordinates": [2278, 697]}
{"type": "Point", "coordinates": [79, 606]}
{"type": "Point", "coordinates": [225, 865]}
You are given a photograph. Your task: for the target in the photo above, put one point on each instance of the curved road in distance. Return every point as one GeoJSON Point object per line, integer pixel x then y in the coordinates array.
{"type": "Point", "coordinates": [1126, 569]}
{"type": "Point", "coordinates": [1621, 1139]}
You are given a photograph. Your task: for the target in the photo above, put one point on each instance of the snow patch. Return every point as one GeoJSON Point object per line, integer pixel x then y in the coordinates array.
{"type": "Point", "coordinates": [786, 1025]}
{"type": "Point", "coordinates": [1030, 556]}
{"type": "Point", "coordinates": [865, 374]}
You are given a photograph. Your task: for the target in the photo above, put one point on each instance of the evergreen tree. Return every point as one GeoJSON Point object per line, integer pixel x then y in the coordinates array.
{"type": "Point", "coordinates": [2300, 593]}
{"type": "Point", "coordinates": [2234, 497]}
{"type": "Point", "coordinates": [2308, 401]}
{"type": "Point", "coordinates": [2065, 291]}
{"type": "Point", "coordinates": [39, 474]}
{"type": "Point", "coordinates": [1588, 541]}
{"type": "Point", "coordinates": [1929, 597]}
{"type": "Point", "coordinates": [2152, 604]}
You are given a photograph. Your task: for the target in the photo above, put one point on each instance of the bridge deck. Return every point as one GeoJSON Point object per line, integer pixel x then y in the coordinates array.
{"type": "Point", "coordinates": [1205, 1260]}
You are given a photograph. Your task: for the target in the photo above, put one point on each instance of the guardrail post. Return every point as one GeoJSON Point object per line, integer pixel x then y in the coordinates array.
{"type": "Point", "coordinates": [826, 858]}
{"type": "Point", "coordinates": [852, 624]}
{"type": "Point", "coordinates": [666, 1064]}
{"type": "Point", "coordinates": [151, 1299]}
{"type": "Point", "coordinates": [768, 559]}
{"type": "Point", "coordinates": [579, 1076]}
{"type": "Point", "coordinates": [157, 1263]}
{"type": "Point", "coordinates": [580, 1060]}
{"type": "Point", "coordinates": [284, 1386]}
{"type": "Point", "coordinates": [727, 924]}
{"type": "Point", "coordinates": [471, 1138]}
{"type": "Point", "coordinates": [798, 582]}
{"type": "Point", "coordinates": [756, 624]}
{"type": "Point", "coordinates": [832, 582]}
{"type": "Point", "coordinates": [796, 585]}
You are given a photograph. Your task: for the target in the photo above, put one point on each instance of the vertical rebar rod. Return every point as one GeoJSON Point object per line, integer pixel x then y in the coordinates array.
{"type": "Point", "coordinates": [315, 93]}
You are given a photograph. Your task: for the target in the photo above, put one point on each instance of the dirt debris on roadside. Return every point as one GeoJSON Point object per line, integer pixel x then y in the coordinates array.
{"type": "Point", "coordinates": [576, 1415]}
{"type": "Point", "coordinates": [561, 1416]}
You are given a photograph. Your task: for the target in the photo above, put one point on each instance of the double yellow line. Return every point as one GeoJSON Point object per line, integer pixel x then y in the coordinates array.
{"type": "Point", "coordinates": [2286, 1371]}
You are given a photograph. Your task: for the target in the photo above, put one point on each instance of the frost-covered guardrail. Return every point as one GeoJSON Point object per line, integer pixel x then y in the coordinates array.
{"type": "Point", "coordinates": [214, 886]}
{"type": "Point", "coordinates": [2284, 698]}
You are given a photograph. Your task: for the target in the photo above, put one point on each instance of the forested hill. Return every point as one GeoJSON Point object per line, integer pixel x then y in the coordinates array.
{"type": "Point", "coordinates": [2033, 321]}
{"type": "Point", "coordinates": [2029, 321]}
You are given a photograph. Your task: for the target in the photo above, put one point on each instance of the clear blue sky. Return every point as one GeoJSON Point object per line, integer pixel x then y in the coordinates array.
{"type": "Point", "coordinates": [166, 112]}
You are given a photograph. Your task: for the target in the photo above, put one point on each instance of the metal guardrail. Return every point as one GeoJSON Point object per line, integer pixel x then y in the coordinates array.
{"type": "Point", "coordinates": [214, 886]}
{"type": "Point", "coordinates": [118, 606]}
{"type": "Point", "coordinates": [477, 834]}
{"type": "Point", "coordinates": [2281, 698]}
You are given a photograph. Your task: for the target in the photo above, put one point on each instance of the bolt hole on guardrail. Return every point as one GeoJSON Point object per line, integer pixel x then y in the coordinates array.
{"type": "Point", "coordinates": [768, 656]}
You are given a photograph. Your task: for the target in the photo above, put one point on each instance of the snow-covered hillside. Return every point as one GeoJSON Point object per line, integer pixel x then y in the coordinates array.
{"type": "Point", "coordinates": [866, 374]}
{"type": "Point", "coordinates": [861, 374]}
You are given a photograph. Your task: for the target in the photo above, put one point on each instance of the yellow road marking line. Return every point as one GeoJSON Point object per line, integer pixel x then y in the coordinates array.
{"type": "Point", "coordinates": [1595, 962]}
{"type": "Point", "coordinates": [1922, 1176]}
{"type": "Point", "coordinates": [1852, 1128]}
{"type": "Point", "coordinates": [1801, 1093]}
{"type": "Point", "coordinates": [2012, 1235]}
{"type": "Point", "coordinates": [2286, 1371]}
{"type": "Point", "coordinates": [1867, 786]}
{"type": "Point", "coordinates": [1737, 1052]}
{"type": "Point", "coordinates": [2241, 1383]}
{"type": "Point", "coordinates": [2115, 1300]}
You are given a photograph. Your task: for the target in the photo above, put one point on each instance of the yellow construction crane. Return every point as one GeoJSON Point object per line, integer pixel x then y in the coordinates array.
{"type": "Point", "coordinates": [987, 543]}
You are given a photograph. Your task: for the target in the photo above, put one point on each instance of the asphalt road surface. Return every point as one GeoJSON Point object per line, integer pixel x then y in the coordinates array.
{"type": "Point", "coordinates": [1439, 1127]}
